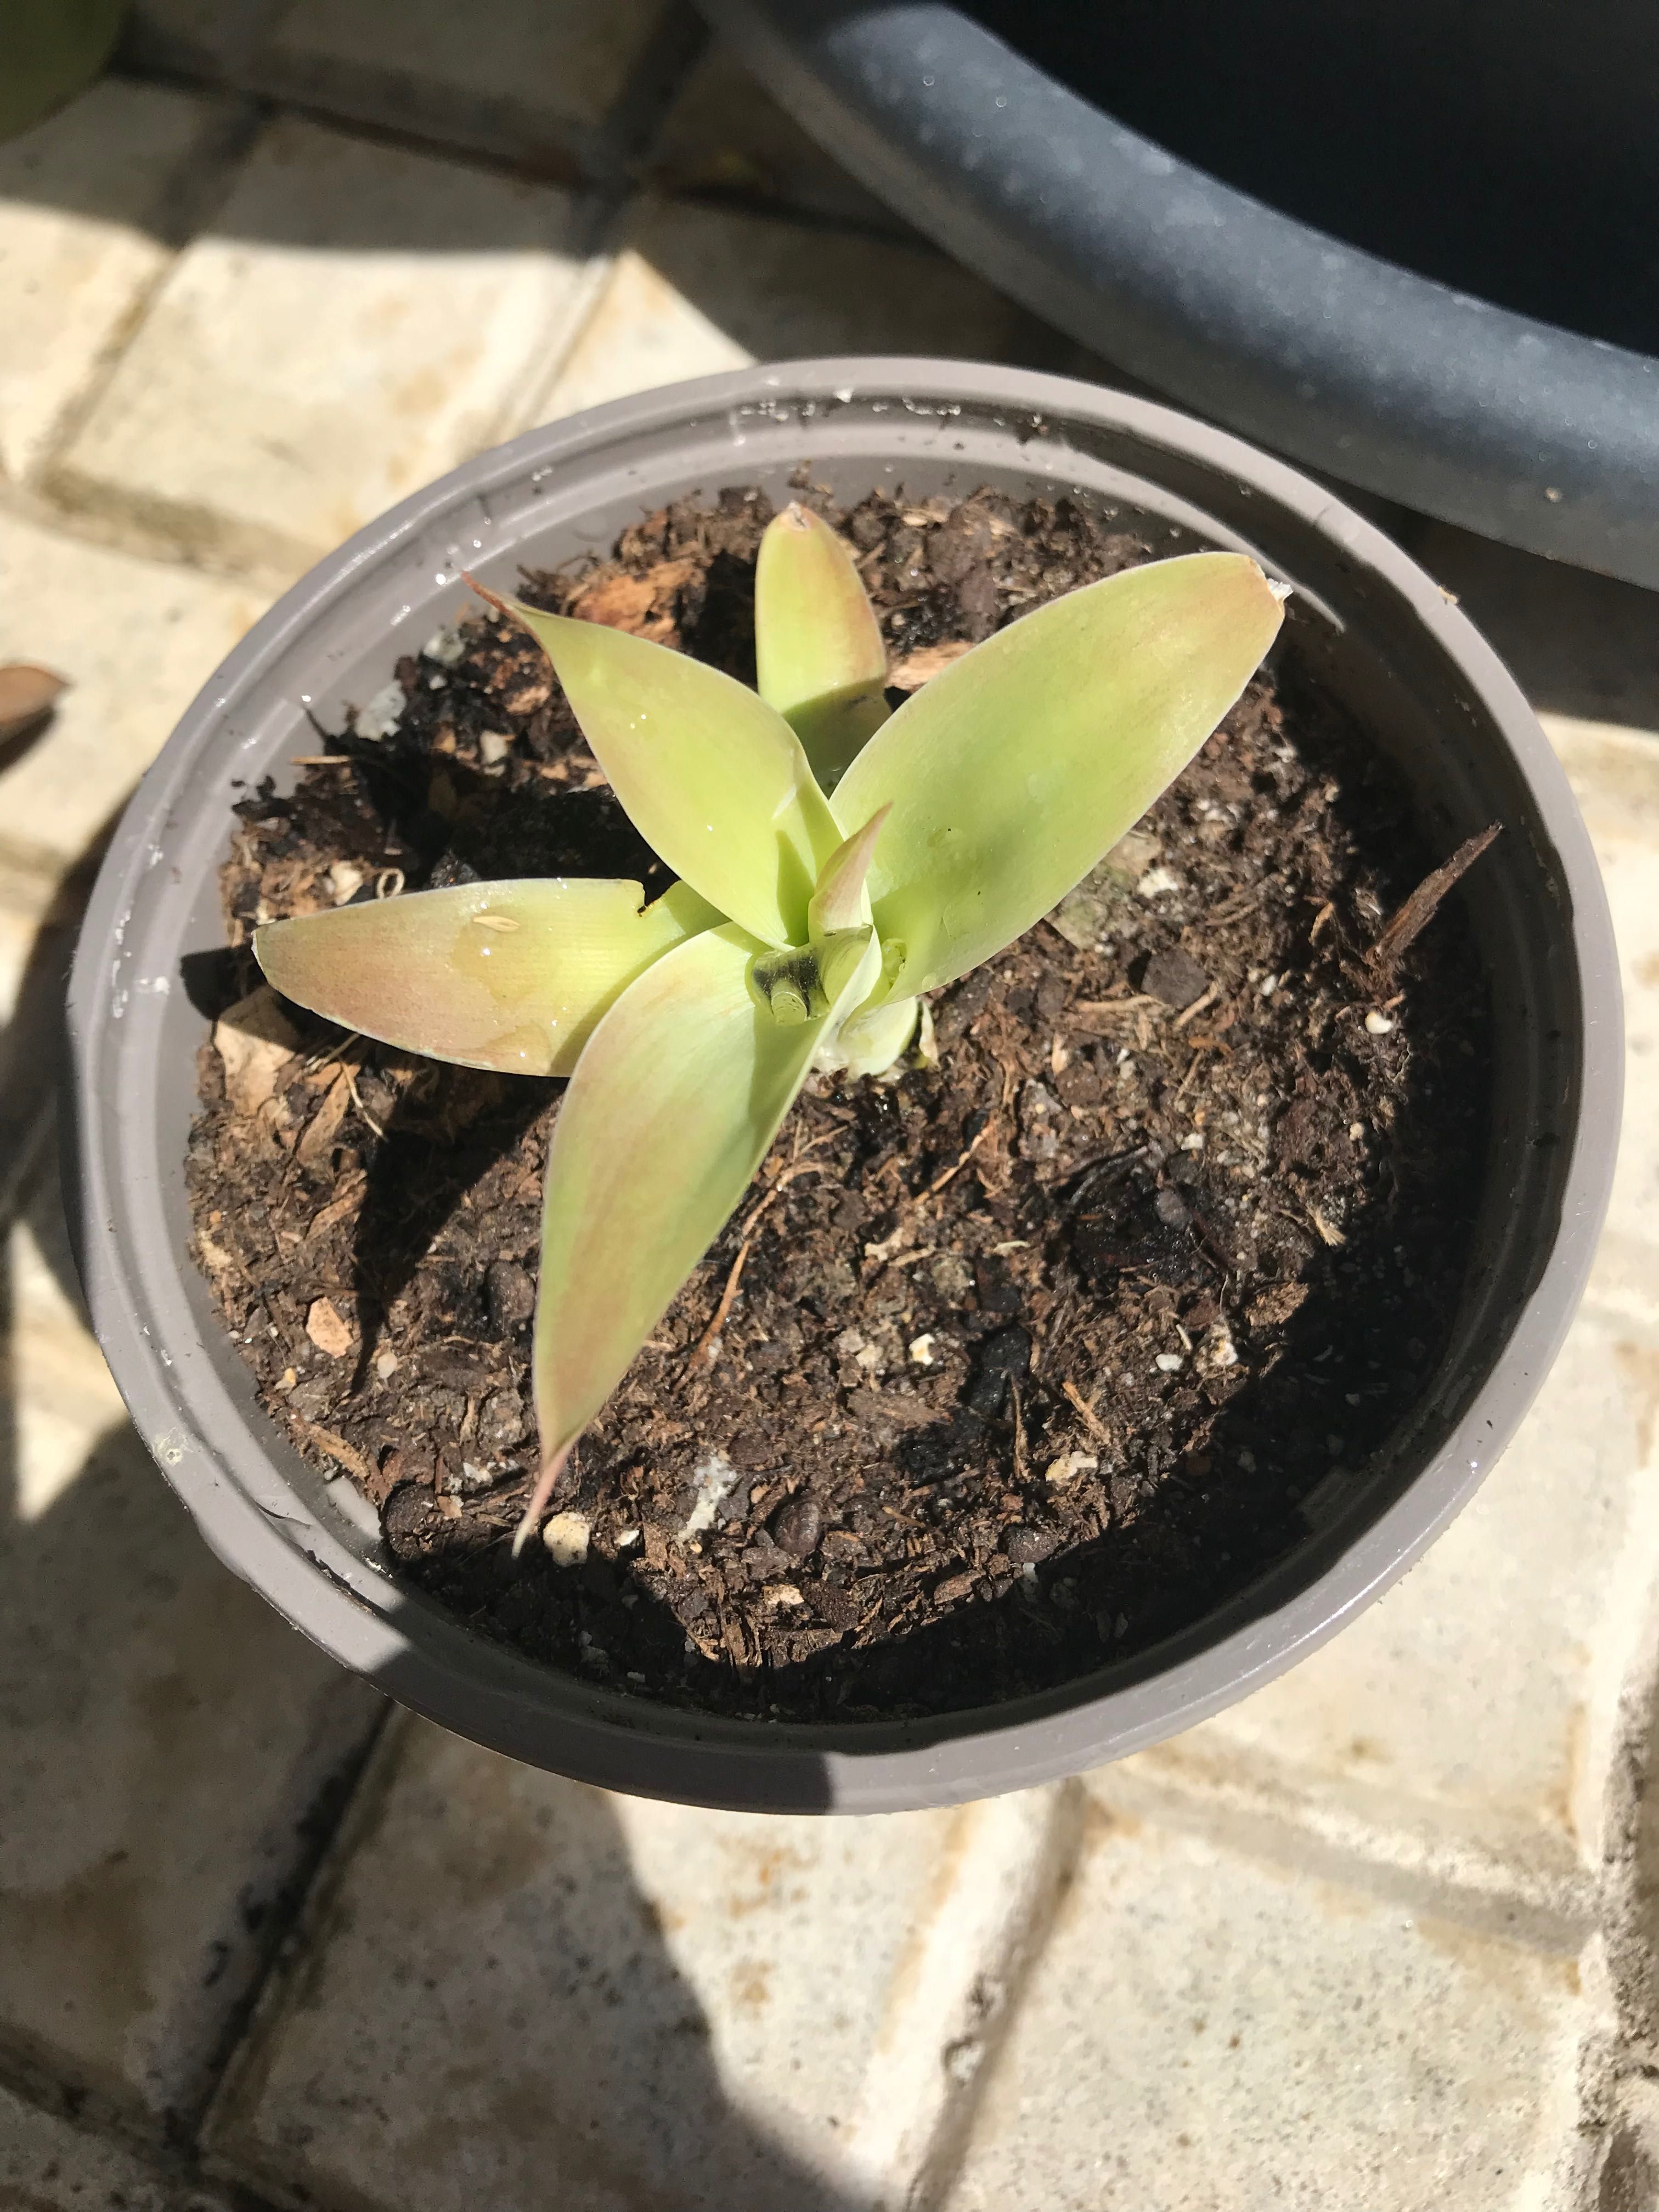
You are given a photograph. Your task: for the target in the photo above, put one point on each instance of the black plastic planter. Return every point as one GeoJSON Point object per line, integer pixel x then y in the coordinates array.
{"type": "Point", "coordinates": [1378, 633]}
{"type": "Point", "coordinates": [1509, 150]}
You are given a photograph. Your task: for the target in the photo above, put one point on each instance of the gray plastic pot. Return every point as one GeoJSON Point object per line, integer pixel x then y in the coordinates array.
{"type": "Point", "coordinates": [1383, 636]}
{"type": "Point", "coordinates": [1236, 279]}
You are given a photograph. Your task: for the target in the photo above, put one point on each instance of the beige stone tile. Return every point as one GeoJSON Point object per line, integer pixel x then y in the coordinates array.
{"type": "Point", "coordinates": [1458, 1731]}
{"type": "Point", "coordinates": [725, 137]}
{"type": "Point", "coordinates": [136, 641]}
{"type": "Point", "coordinates": [1614, 773]}
{"type": "Point", "coordinates": [48, 2164]}
{"type": "Point", "coordinates": [523, 1992]}
{"type": "Point", "coordinates": [166, 1744]}
{"type": "Point", "coordinates": [698, 289]}
{"type": "Point", "coordinates": [1206, 2032]}
{"type": "Point", "coordinates": [355, 320]}
{"type": "Point", "coordinates": [83, 201]}
{"type": "Point", "coordinates": [542, 81]}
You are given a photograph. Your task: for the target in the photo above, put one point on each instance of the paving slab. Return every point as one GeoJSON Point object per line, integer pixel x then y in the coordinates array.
{"type": "Point", "coordinates": [1614, 773]}
{"type": "Point", "coordinates": [1206, 2031]}
{"type": "Point", "coordinates": [356, 318]}
{"type": "Point", "coordinates": [47, 2163]}
{"type": "Point", "coordinates": [726, 137]}
{"type": "Point", "coordinates": [137, 639]}
{"type": "Point", "coordinates": [87, 200]}
{"type": "Point", "coordinates": [170, 1752]}
{"type": "Point", "coordinates": [553, 84]}
{"type": "Point", "coordinates": [521, 1991]}
{"type": "Point", "coordinates": [698, 289]}
{"type": "Point", "coordinates": [38, 921]}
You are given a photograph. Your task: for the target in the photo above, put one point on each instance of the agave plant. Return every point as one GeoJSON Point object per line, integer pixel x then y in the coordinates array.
{"type": "Point", "coordinates": [836, 861]}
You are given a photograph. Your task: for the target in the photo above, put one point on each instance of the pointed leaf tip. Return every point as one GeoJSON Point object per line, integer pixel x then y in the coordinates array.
{"type": "Point", "coordinates": [712, 778]}
{"type": "Point", "coordinates": [670, 1112]}
{"type": "Point", "coordinates": [1015, 769]}
{"type": "Point", "coordinates": [818, 651]}
{"type": "Point", "coordinates": [546, 1483]}
{"type": "Point", "coordinates": [509, 975]}
{"type": "Point", "coordinates": [839, 901]}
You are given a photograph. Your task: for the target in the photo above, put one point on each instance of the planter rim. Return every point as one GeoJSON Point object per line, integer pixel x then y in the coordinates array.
{"type": "Point", "coordinates": [1389, 380]}
{"type": "Point", "coordinates": [429, 1661]}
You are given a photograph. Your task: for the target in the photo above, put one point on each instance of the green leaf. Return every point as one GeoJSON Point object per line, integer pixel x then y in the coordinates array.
{"type": "Point", "coordinates": [1011, 773]}
{"type": "Point", "coordinates": [819, 650]}
{"type": "Point", "coordinates": [670, 1112]}
{"type": "Point", "coordinates": [509, 975]}
{"type": "Point", "coordinates": [714, 779]}
{"type": "Point", "coordinates": [841, 900]}
{"type": "Point", "coordinates": [870, 1040]}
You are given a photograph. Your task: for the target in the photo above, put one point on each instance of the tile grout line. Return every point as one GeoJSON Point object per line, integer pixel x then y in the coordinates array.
{"type": "Point", "coordinates": [179, 2156]}
{"type": "Point", "coordinates": [176, 2171]}
{"type": "Point", "coordinates": [1006, 1866]}
{"type": "Point", "coordinates": [245, 2047]}
{"type": "Point", "coordinates": [292, 1906]}
{"type": "Point", "coordinates": [203, 182]}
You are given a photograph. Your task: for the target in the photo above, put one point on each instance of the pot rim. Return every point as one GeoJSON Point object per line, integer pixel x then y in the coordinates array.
{"type": "Point", "coordinates": [425, 1658]}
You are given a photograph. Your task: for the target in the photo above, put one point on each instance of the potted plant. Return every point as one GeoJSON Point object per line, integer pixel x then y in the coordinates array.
{"type": "Point", "coordinates": [872, 1524]}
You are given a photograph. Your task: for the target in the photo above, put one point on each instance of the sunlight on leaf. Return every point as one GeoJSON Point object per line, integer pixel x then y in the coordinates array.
{"type": "Point", "coordinates": [671, 1111]}
{"type": "Point", "coordinates": [819, 650]}
{"type": "Point", "coordinates": [509, 975]}
{"type": "Point", "coordinates": [1011, 773]}
{"type": "Point", "coordinates": [712, 778]}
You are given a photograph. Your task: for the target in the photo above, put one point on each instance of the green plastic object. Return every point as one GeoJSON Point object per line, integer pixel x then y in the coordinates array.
{"type": "Point", "coordinates": [49, 50]}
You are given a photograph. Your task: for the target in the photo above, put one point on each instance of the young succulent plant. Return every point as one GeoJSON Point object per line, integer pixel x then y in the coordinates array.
{"type": "Point", "coordinates": [836, 862]}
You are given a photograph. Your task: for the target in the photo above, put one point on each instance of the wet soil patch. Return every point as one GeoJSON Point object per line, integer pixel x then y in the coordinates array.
{"type": "Point", "coordinates": [1021, 1361]}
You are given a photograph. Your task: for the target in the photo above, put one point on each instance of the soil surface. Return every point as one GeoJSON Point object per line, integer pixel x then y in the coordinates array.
{"type": "Point", "coordinates": [1021, 1360]}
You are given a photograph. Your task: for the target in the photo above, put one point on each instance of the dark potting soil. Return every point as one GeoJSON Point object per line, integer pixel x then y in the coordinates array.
{"type": "Point", "coordinates": [1003, 1369]}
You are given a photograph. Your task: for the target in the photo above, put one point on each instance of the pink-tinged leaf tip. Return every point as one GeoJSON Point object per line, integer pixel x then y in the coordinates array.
{"type": "Point", "coordinates": [546, 1483]}
{"type": "Point", "coordinates": [839, 901]}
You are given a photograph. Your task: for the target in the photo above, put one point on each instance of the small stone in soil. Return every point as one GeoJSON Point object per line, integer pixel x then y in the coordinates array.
{"type": "Point", "coordinates": [1174, 976]}
{"type": "Point", "coordinates": [796, 1526]}
{"type": "Point", "coordinates": [566, 1536]}
{"type": "Point", "coordinates": [510, 1294]}
{"type": "Point", "coordinates": [409, 1515]}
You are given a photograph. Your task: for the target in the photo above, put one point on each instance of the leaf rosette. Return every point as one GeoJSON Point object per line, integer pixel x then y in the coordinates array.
{"type": "Point", "coordinates": [836, 862]}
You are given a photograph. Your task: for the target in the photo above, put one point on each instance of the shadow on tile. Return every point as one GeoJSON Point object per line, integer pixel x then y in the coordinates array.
{"type": "Point", "coordinates": [486, 2010]}
{"type": "Point", "coordinates": [174, 1760]}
